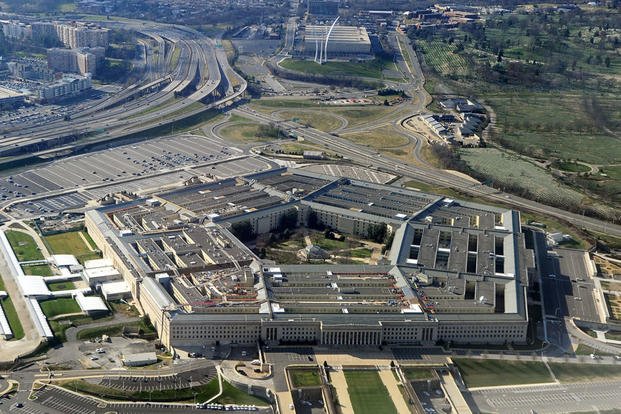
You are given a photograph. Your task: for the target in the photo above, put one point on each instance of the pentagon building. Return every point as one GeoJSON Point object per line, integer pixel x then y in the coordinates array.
{"type": "Point", "coordinates": [456, 271]}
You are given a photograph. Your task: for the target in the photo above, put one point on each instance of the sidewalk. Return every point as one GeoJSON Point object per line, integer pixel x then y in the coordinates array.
{"type": "Point", "coordinates": [340, 384]}
{"type": "Point", "coordinates": [391, 383]}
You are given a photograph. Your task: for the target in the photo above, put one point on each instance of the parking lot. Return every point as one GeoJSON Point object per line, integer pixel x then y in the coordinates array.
{"type": "Point", "coordinates": [568, 290]}
{"type": "Point", "coordinates": [219, 168]}
{"type": "Point", "coordinates": [186, 379]}
{"type": "Point", "coordinates": [116, 163]}
{"type": "Point", "coordinates": [58, 401]}
{"type": "Point", "coordinates": [565, 398]}
{"type": "Point", "coordinates": [356, 173]}
{"type": "Point", "coordinates": [282, 357]}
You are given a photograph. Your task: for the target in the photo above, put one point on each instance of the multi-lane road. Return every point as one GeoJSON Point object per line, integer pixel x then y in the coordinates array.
{"type": "Point", "coordinates": [198, 74]}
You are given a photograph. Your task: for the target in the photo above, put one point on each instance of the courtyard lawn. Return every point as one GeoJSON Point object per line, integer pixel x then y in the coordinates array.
{"type": "Point", "coordinates": [367, 393]}
{"type": "Point", "coordinates": [24, 246]}
{"type": "Point", "coordinates": [56, 286]}
{"type": "Point", "coordinates": [38, 270]}
{"type": "Point", "coordinates": [73, 243]}
{"type": "Point", "coordinates": [417, 374]}
{"type": "Point", "coordinates": [60, 306]}
{"type": "Point", "coordinates": [304, 378]}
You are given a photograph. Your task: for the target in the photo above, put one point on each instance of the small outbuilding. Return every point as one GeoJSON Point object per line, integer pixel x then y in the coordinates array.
{"type": "Point", "coordinates": [139, 360]}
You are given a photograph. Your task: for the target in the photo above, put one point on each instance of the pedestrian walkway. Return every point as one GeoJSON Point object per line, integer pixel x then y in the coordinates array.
{"type": "Point", "coordinates": [340, 385]}
{"type": "Point", "coordinates": [391, 383]}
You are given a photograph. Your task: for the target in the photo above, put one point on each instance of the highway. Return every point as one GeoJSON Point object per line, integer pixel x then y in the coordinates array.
{"type": "Point", "coordinates": [373, 159]}
{"type": "Point", "coordinates": [199, 75]}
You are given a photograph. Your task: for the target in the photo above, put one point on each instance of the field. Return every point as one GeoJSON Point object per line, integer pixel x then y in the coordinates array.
{"type": "Point", "coordinates": [571, 166]}
{"type": "Point", "coordinates": [428, 188]}
{"type": "Point", "coordinates": [24, 246]}
{"type": "Point", "coordinates": [507, 170]}
{"type": "Point", "coordinates": [377, 138]}
{"type": "Point", "coordinates": [442, 58]}
{"type": "Point", "coordinates": [60, 306]}
{"type": "Point", "coordinates": [487, 373]}
{"type": "Point", "coordinates": [368, 69]}
{"type": "Point", "coordinates": [242, 132]}
{"type": "Point", "coordinates": [362, 115]}
{"type": "Point", "coordinates": [367, 393]}
{"type": "Point", "coordinates": [71, 243]}
{"type": "Point", "coordinates": [304, 377]}
{"type": "Point", "coordinates": [584, 372]}
{"type": "Point", "coordinates": [552, 85]}
{"type": "Point", "coordinates": [269, 105]}
{"type": "Point", "coordinates": [320, 120]}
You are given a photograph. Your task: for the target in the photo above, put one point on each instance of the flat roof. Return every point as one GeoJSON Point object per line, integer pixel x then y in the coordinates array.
{"type": "Point", "coordinates": [33, 286]}
{"type": "Point", "coordinates": [91, 303]}
{"type": "Point", "coordinates": [112, 288]}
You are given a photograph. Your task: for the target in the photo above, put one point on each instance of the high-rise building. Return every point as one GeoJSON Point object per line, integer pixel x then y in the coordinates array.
{"type": "Point", "coordinates": [80, 35]}
{"type": "Point", "coordinates": [72, 60]}
{"type": "Point", "coordinates": [16, 30]}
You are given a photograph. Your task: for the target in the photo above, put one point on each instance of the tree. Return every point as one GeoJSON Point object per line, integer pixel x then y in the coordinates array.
{"type": "Point", "coordinates": [243, 230]}
{"type": "Point", "coordinates": [288, 221]}
{"type": "Point", "coordinates": [377, 232]}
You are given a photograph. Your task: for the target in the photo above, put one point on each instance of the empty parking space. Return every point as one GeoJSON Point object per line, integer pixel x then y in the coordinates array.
{"type": "Point", "coordinates": [127, 161]}
{"type": "Point", "coordinates": [356, 173]}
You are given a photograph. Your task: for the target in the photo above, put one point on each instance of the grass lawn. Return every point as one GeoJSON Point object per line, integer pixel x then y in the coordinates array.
{"type": "Point", "coordinates": [367, 393]}
{"type": "Point", "coordinates": [571, 166]}
{"type": "Point", "coordinates": [507, 169]}
{"type": "Point", "coordinates": [328, 244]}
{"type": "Point", "coordinates": [113, 330]}
{"type": "Point", "coordinates": [24, 246]}
{"type": "Point", "coordinates": [304, 378]}
{"type": "Point", "coordinates": [11, 315]}
{"type": "Point", "coordinates": [60, 306]}
{"type": "Point", "coordinates": [361, 115]}
{"type": "Point", "coordinates": [584, 372]}
{"type": "Point", "coordinates": [417, 374]}
{"type": "Point", "coordinates": [587, 350]}
{"type": "Point", "coordinates": [242, 132]}
{"type": "Point", "coordinates": [320, 120]}
{"type": "Point", "coordinates": [59, 326]}
{"type": "Point", "coordinates": [368, 69]}
{"type": "Point", "coordinates": [38, 270]}
{"type": "Point", "coordinates": [377, 138]}
{"type": "Point", "coordinates": [71, 243]}
{"type": "Point", "coordinates": [269, 105]}
{"type": "Point", "coordinates": [429, 188]}
{"type": "Point", "coordinates": [362, 253]}
{"type": "Point", "coordinates": [487, 373]}
{"type": "Point", "coordinates": [614, 335]}
{"type": "Point", "coordinates": [56, 286]}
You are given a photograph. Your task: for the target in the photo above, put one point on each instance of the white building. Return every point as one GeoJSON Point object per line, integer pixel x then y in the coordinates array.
{"type": "Point", "coordinates": [344, 40]}
{"type": "Point", "coordinates": [137, 360]}
{"type": "Point", "coordinates": [67, 86]}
